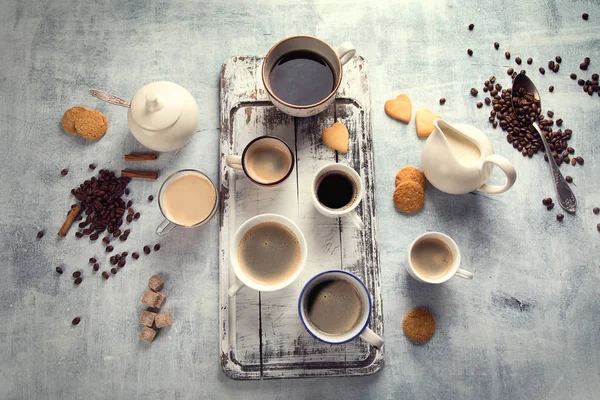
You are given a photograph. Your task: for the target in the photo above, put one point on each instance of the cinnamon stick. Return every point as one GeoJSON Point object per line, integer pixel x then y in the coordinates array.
{"type": "Point", "coordinates": [140, 174]}
{"type": "Point", "coordinates": [141, 156]}
{"type": "Point", "coordinates": [69, 221]}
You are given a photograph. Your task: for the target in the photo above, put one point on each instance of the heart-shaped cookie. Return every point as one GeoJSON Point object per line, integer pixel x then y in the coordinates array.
{"type": "Point", "coordinates": [399, 108]}
{"type": "Point", "coordinates": [336, 137]}
{"type": "Point", "coordinates": [424, 121]}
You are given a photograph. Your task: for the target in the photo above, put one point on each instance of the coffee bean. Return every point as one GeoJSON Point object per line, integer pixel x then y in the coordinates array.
{"type": "Point", "coordinates": [479, 104]}
{"type": "Point", "coordinates": [583, 66]}
{"type": "Point", "coordinates": [123, 237]}
{"type": "Point", "coordinates": [40, 234]}
{"type": "Point", "coordinates": [573, 76]}
{"type": "Point", "coordinates": [96, 267]}
{"type": "Point", "coordinates": [59, 270]}
{"type": "Point", "coordinates": [596, 210]}
{"type": "Point", "coordinates": [510, 71]}
{"type": "Point", "coordinates": [558, 59]}
{"type": "Point", "coordinates": [598, 227]}
{"type": "Point", "coordinates": [117, 233]}
{"type": "Point", "coordinates": [113, 271]}
{"type": "Point", "coordinates": [113, 260]}
{"type": "Point", "coordinates": [92, 260]}
{"type": "Point", "coordinates": [507, 55]}
{"type": "Point", "coordinates": [109, 249]}
{"type": "Point", "coordinates": [78, 235]}
{"type": "Point", "coordinates": [442, 101]}
{"type": "Point", "coordinates": [518, 60]}
{"type": "Point", "coordinates": [106, 240]}
{"type": "Point", "coordinates": [496, 45]}
{"type": "Point", "coordinates": [92, 166]}
{"type": "Point", "coordinates": [529, 60]}
{"type": "Point", "coordinates": [64, 172]}
{"type": "Point", "coordinates": [121, 263]}
{"type": "Point", "coordinates": [559, 217]}
{"type": "Point", "coordinates": [130, 211]}
{"type": "Point", "coordinates": [551, 64]}
{"type": "Point", "coordinates": [555, 68]}
{"type": "Point", "coordinates": [117, 257]}
{"type": "Point", "coordinates": [573, 161]}
{"type": "Point", "coordinates": [595, 77]}
{"type": "Point", "coordinates": [78, 280]}
{"type": "Point", "coordinates": [124, 254]}
{"type": "Point", "coordinates": [587, 60]}
{"type": "Point", "coordinates": [76, 320]}
{"type": "Point", "coordinates": [488, 101]}
{"type": "Point", "coordinates": [470, 52]}
{"type": "Point", "coordinates": [76, 274]}
{"type": "Point", "coordinates": [585, 16]}
{"type": "Point", "coordinates": [559, 122]}
{"type": "Point", "coordinates": [569, 178]}
{"type": "Point", "coordinates": [581, 82]}
{"type": "Point", "coordinates": [551, 89]}
{"type": "Point", "coordinates": [105, 275]}
{"type": "Point", "coordinates": [474, 92]}
{"type": "Point", "coordinates": [136, 215]}
{"type": "Point", "coordinates": [157, 247]}
{"type": "Point", "coordinates": [129, 203]}
{"type": "Point", "coordinates": [147, 249]}
{"type": "Point", "coordinates": [550, 206]}
{"type": "Point", "coordinates": [471, 26]}
{"type": "Point", "coordinates": [135, 255]}
{"type": "Point", "coordinates": [546, 201]}
{"type": "Point", "coordinates": [129, 218]}
{"type": "Point", "coordinates": [550, 113]}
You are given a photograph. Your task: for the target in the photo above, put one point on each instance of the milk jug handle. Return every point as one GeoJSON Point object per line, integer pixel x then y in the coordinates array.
{"type": "Point", "coordinates": [506, 167]}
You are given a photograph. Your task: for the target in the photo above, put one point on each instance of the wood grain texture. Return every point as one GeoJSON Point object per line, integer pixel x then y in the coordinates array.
{"type": "Point", "coordinates": [261, 334]}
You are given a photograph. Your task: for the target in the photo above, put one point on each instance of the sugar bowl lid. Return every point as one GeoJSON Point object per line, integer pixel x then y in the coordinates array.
{"type": "Point", "coordinates": [157, 105]}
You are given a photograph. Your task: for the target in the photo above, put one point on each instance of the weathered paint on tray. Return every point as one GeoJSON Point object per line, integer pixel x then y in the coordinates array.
{"type": "Point", "coordinates": [261, 334]}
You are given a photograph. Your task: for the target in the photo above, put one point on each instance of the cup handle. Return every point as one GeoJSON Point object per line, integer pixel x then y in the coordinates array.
{"type": "Point", "coordinates": [165, 227]}
{"type": "Point", "coordinates": [353, 216]}
{"type": "Point", "coordinates": [235, 288]}
{"type": "Point", "coordinates": [345, 52]}
{"type": "Point", "coordinates": [234, 162]}
{"type": "Point", "coordinates": [506, 167]}
{"type": "Point", "coordinates": [463, 273]}
{"type": "Point", "coordinates": [372, 338]}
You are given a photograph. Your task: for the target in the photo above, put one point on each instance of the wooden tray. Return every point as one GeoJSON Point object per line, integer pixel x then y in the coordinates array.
{"type": "Point", "coordinates": [261, 333]}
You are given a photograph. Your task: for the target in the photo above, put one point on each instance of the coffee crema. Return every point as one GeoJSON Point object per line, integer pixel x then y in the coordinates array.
{"type": "Point", "coordinates": [268, 164]}
{"type": "Point", "coordinates": [336, 190]}
{"type": "Point", "coordinates": [333, 306]}
{"type": "Point", "coordinates": [302, 78]}
{"type": "Point", "coordinates": [269, 253]}
{"type": "Point", "coordinates": [431, 258]}
{"type": "Point", "coordinates": [189, 199]}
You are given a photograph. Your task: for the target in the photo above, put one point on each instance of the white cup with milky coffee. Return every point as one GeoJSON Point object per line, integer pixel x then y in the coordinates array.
{"type": "Point", "coordinates": [268, 252]}
{"type": "Point", "coordinates": [188, 199]}
{"type": "Point", "coordinates": [267, 161]}
{"type": "Point", "coordinates": [434, 257]}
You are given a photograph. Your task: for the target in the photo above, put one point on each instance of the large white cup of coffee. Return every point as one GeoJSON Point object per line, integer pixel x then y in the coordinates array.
{"type": "Point", "coordinates": [336, 192]}
{"type": "Point", "coordinates": [434, 257]}
{"type": "Point", "coordinates": [188, 199]}
{"type": "Point", "coordinates": [268, 252]}
{"type": "Point", "coordinates": [267, 161]}
{"type": "Point", "coordinates": [302, 74]}
{"type": "Point", "coordinates": [335, 307]}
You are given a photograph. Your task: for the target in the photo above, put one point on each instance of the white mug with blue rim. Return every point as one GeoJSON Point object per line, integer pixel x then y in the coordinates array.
{"type": "Point", "coordinates": [335, 307]}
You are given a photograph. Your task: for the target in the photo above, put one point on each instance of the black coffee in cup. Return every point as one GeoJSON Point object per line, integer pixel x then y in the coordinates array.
{"type": "Point", "coordinates": [336, 190]}
{"type": "Point", "coordinates": [301, 78]}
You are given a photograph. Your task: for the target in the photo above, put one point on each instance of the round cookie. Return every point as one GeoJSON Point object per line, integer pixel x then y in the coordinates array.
{"type": "Point", "coordinates": [409, 197]}
{"type": "Point", "coordinates": [69, 118]}
{"type": "Point", "coordinates": [418, 325]}
{"type": "Point", "coordinates": [91, 125]}
{"type": "Point", "coordinates": [411, 173]}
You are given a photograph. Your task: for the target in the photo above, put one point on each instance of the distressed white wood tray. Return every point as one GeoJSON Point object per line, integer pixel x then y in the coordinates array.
{"type": "Point", "coordinates": [261, 335]}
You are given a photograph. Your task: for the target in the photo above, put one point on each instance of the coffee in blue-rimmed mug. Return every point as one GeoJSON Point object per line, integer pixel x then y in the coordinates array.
{"type": "Point", "coordinates": [335, 307]}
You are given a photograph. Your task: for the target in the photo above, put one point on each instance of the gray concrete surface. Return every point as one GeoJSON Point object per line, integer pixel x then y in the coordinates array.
{"type": "Point", "coordinates": [527, 326]}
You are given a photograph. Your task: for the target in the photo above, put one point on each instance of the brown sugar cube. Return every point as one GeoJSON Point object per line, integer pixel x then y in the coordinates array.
{"type": "Point", "coordinates": [147, 318]}
{"type": "Point", "coordinates": [161, 300]}
{"type": "Point", "coordinates": [155, 283]}
{"type": "Point", "coordinates": [151, 299]}
{"type": "Point", "coordinates": [163, 319]}
{"type": "Point", "coordinates": [147, 334]}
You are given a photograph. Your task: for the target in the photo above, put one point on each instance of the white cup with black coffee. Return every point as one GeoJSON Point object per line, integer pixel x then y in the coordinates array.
{"type": "Point", "coordinates": [434, 257]}
{"type": "Point", "coordinates": [336, 192]}
{"type": "Point", "coordinates": [267, 161]}
{"type": "Point", "coordinates": [335, 307]}
{"type": "Point", "coordinates": [268, 252]}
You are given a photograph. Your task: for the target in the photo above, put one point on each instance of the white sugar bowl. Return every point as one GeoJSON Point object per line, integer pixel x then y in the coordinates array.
{"type": "Point", "coordinates": [163, 116]}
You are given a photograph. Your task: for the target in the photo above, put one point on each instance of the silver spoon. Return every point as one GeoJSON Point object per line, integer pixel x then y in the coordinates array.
{"type": "Point", "coordinates": [109, 98]}
{"type": "Point", "coordinates": [564, 194]}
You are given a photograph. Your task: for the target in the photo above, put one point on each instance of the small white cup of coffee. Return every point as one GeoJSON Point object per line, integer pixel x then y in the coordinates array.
{"type": "Point", "coordinates": [268, 252]}
{"type": "Point", "coordinates": [267, 161]}
{"type": "Point", "coordinates": [336, 192]}
{"type": "Point", "coordinates": [302, 74]}
{"type": "Point", "coordinates": [434, 257]}
{"type": "Point", "coordinates": [188, 199]}
{"type": "Point", "coordinates": [335, 307]}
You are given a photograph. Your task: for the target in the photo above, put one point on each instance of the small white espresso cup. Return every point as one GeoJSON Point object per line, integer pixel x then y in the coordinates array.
{"type": "Point", "coordinates": [360, 328]}
{"type": "Point", "coordinates": [454, 270]}
{"type": "Point", "coordinates": [348, 210]}
{"type": "Point", "coordinates": [243, 279]}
